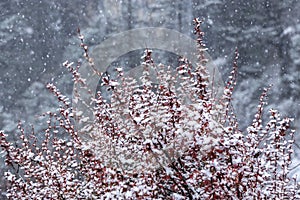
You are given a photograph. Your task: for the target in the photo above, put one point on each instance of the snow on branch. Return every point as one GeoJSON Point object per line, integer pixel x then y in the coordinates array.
{"type": "Point", "coordinates": [168, 139]}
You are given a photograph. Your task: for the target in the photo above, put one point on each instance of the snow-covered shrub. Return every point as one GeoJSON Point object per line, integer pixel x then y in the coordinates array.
{"type": "Point", "coordinates": [172, 139]}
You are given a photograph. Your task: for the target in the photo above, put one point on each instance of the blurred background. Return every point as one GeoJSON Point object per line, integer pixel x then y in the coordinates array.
{"type": "Point", "coordinates": [36, 37]}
